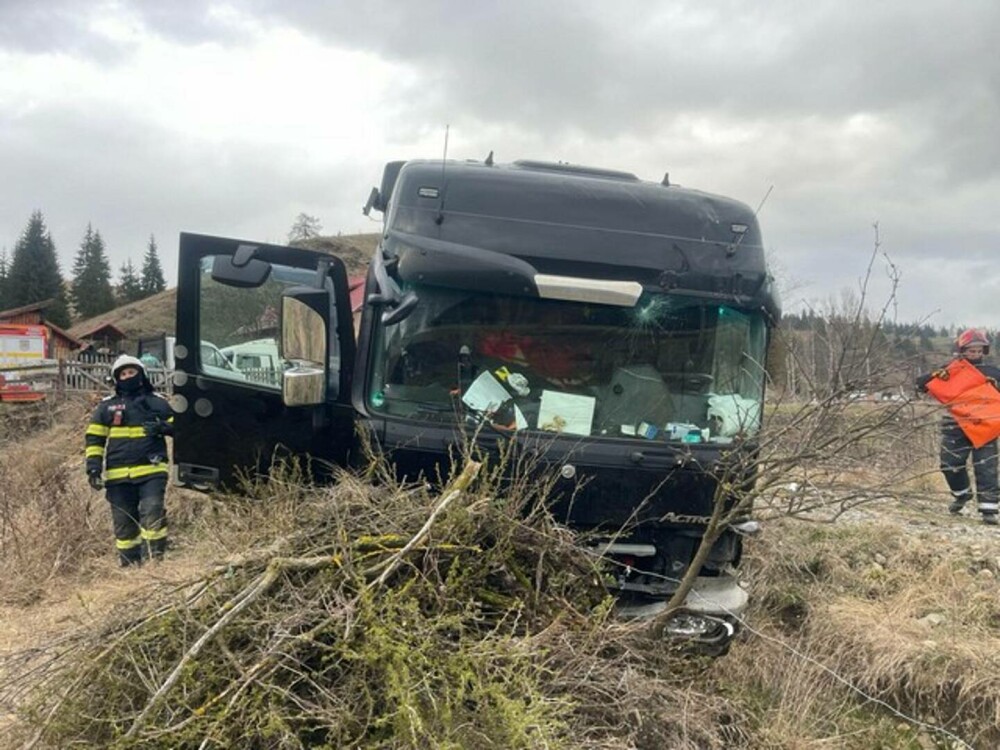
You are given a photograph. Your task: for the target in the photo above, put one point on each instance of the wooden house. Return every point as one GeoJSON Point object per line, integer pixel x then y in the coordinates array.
{"type": "Point", "coordinates": [61, 344]}
{"type": "Point", "coordinates": [102, 336]}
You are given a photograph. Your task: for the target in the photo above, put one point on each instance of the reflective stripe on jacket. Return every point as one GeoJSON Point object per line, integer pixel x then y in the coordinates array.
{"type": "Point", "coordinates": [117, 441]}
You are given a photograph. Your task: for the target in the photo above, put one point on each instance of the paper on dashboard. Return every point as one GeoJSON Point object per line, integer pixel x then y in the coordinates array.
{"type": "Point", "coordinates": [486, 394]}
{"type": "Point", "coordinates": [566, 412]}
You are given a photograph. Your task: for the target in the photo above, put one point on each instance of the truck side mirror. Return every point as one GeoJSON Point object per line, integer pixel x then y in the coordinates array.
{"type": "Point", "coordinates": [304, 326]}
{"type": "Point", "coordinates": [373, 200]}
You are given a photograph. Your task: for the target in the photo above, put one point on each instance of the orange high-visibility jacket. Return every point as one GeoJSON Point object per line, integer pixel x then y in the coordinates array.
{"type": "Point", "coordinates": [973, 400]}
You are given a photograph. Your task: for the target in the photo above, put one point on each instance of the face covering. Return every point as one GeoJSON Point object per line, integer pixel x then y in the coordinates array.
{"type": "Point", "coordinates": [130, 386]}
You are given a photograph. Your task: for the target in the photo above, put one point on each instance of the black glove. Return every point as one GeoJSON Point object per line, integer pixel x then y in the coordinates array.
{"type": "Point", "coordinates": [153, 427]}
{"type": "Point", "coordinates": [96, 483]}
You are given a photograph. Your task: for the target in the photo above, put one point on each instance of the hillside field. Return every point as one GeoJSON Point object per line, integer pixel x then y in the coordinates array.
{"type": "Point", "coordinates": [878, 630]}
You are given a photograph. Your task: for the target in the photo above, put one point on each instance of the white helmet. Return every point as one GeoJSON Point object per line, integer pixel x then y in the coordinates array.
{"type": "Point", "coordinates": [124, 361]}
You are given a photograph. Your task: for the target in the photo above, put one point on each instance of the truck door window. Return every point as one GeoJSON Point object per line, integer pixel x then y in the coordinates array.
{"type": "Point", "coordinates": [239, 326]}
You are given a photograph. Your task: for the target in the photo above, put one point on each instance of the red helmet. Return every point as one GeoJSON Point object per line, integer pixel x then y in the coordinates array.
{"type": "Point", "coordinates": [973, 337]}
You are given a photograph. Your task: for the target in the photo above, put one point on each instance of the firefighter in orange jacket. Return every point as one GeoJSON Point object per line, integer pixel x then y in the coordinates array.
{"type": "Point", "coordinates": [125, 438]}
{"type": "Point", "coordinates": [971, 345]}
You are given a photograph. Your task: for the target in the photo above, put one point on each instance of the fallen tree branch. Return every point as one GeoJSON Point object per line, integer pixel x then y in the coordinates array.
{"type": "Point", "coordinates": [275, 568]}
{"type": "Point", "coordinates": [461, 483]}
{"type": "Point", "coordinates": [233, 607]}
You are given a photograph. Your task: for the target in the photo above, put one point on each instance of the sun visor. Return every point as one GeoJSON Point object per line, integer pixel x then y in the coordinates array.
{"type": "Point", "coordinates": [430, 261]}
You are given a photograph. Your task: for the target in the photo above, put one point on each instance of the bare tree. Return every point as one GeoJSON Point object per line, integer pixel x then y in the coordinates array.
{"type": "Point", "coordinates": [304, 227]}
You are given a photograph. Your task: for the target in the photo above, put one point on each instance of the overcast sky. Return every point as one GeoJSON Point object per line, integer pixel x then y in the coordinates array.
{"type": "Point", "coordinates": [232, 118]}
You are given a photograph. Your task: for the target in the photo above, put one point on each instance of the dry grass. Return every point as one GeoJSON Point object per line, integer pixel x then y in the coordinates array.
{"type": "Point", "coordinates": [847, 602]}
{"type": "Point", "coordinates": [51, 522]}
{"type": "Point", "coordinates": [355, 250]}
{"type": "Point", "coordinates": [911, 619]}
{"type": "Point", "coordinates": [490, 632]}
{"type": "Point", "coordinates": [147, 317]}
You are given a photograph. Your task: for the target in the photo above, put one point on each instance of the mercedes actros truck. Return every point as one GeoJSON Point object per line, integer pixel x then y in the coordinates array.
{"type": "Point", "coordinates": [612, 329]}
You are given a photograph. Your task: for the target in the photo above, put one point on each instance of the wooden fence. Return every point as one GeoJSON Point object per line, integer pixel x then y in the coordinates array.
{"type": "Point", "coordinates": [69, 376]}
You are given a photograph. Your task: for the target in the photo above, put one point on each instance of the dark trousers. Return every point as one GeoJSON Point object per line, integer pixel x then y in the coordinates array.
{"type": "Point", "coordinates": [955, 452]}
{"type": "Point", "coordinates": [139, 518]}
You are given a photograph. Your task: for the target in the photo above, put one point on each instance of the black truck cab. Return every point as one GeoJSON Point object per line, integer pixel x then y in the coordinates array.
{"type": "Point", "coordinates": [614, 329]}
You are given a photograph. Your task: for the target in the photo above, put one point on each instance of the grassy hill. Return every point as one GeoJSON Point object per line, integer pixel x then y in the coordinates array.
{"type": "Point", "coordinates": [148, 316]}
{"type": "Point", "coordinates": [354, 249]}
{"type": "Point", "coordinates": [155, 315]}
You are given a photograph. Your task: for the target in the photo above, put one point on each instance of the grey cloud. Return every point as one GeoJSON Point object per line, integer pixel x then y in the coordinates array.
{"type": "Point", "coordinates": [67, 26]}
{"type": "Point", "coordinates": [141, 181]}
{"type": "Point", "coordinates": [599, 67]}
{"type": "Point", "coordinates": [596, 70]}
{"type": "Point", "coordinates": [55, 26]}
{"type": "Point", "coordinates": [603, 69]}
{"type": "Point", "coordinates": [824, 56]}
{"type": "Point", "coordinates": [185, 21]}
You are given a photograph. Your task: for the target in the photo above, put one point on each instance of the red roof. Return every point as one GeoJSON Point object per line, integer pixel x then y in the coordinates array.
{"type": "Point", "coordinates": [357, 286]}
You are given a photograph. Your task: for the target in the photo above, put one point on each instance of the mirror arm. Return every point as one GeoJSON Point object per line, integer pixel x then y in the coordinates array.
{"type": "Point", "coordinates": [401, 311]}
{"type": "Point", "coordinates": [373, 201]}
{"type": "Point", "coordinates": [322, 271]}
{"type": "Point", "coordinates": [389, 290]}
{"type": "Point", "coordinates": [244, 254]}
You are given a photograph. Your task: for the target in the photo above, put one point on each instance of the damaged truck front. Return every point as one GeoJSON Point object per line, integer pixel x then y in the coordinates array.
{"type": "Point", "coordinates": [613, 329]}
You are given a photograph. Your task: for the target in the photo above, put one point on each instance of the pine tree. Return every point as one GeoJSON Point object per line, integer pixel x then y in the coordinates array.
{"type": "Point", "coordinates": [129, 284]}
{"type": "Point", "coordinates": [91, 289]}
{"type": "Point", "coordinates": [4, 274]}
{"type": "Point", "coordinates": [34, 273]}
{"type": "Point", "coordinates": [152, 281]}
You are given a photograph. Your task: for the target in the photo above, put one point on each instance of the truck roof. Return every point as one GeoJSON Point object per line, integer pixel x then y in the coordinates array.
{"type": "Point", "coordinates": [573, 196]}
{"type": "Point", "coordinates": [583, 221]}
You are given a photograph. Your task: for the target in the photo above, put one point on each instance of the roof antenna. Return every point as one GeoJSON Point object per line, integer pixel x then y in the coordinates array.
{"type": "Point", "coordinates": [763, 200]}
{"type": "Point", "coordinates": [444, 161]}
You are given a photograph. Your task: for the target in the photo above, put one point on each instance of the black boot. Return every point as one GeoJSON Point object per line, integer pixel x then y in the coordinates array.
{"type": "Point", "coordinates": [157, 548]}
{"type": "Point", "coordinates": [129, 557]}
{"type": "Point", "coordinates": [958, 501]}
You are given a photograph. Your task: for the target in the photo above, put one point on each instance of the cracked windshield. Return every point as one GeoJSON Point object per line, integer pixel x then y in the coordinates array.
{"type": "Point", "coordinates": [670, 368]}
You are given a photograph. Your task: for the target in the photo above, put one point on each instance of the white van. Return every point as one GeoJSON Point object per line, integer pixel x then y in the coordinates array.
{"type": "Point", "coordinates": [158, 351]}
{"type": "Point", "coordinates": [215, 362]}
{"type": "Point", "coordinates": [258, 360]}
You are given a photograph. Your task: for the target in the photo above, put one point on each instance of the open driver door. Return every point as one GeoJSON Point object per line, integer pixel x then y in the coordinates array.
{"type": "Point", "coordinates": [264, 357]}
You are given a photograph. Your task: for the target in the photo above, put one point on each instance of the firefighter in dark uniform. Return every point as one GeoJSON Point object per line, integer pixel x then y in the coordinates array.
{"type": "Point", "coordinates": [971, 345]}
{"type": "Point", "coordinates": [125, 439]}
